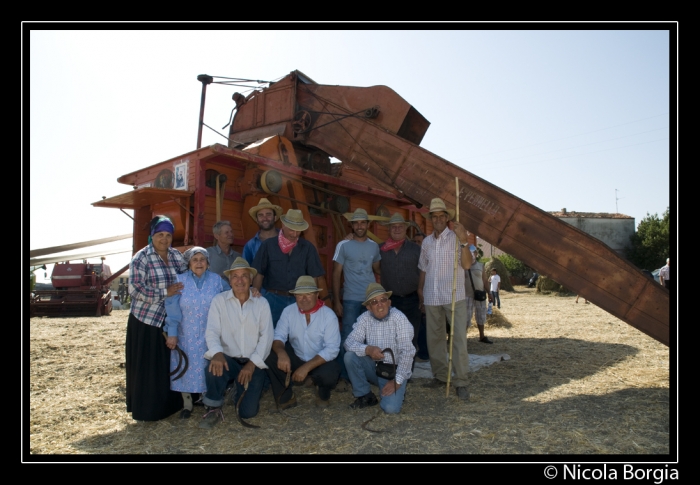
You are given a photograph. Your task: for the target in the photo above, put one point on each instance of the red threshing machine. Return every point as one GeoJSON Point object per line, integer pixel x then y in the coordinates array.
{"type": "Point", "coordinates": [281, 141]}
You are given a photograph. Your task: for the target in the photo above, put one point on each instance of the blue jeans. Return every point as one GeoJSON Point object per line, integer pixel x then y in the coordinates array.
{"type": "Point", "coordinates": [362, 374]}
{"type": "Point", "coordinates": [216, 388]}
{"type": "Point", "coordinates": [277, 304]}
{"type": "Point", "coordinates": [351, 310]}
{"type": "Point", "coordinates": [496, 299]}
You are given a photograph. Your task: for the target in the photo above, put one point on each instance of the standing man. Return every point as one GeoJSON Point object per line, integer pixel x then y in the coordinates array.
{"type": "Point", "coordinates": [281, 260]}
{"type": "Point", "coordinates": [399, 272]}
{"type": "Point", "coordinates": [239, 337]}
{"type": "Point", "coordinates": [665, 275]}
{"type": "Point", "coordinates": [476, 280]}
{"type": "Point", "coordinates": [437, 259]}
{"type": "Point", "coordinates": [222, 255]}
{"type": "Point", "coordinates": [307, 341]}
{"type": "Point", "coordinates": [265, 214]}
{"type": "Point", "coordinates": [357, 260]}
{"type": "Point", "coordinates": [378, 329]}
{"type": "Point", "coordinates": [495, 281]}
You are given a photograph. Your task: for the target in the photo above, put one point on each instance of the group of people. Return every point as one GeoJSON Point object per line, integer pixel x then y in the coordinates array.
{"type": "Point", "coordinates": [259, 320]}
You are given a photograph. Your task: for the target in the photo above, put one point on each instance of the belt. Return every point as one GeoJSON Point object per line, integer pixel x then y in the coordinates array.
{"type": "Point", "coordinates": [278, 292]}
{"type": "Point", "coordinates": [405, 296]}
{"type": "Point", "coordinates": [241, 360]}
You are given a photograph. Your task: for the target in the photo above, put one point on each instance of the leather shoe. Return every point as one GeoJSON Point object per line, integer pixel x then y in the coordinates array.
{"type": "Point", "coordinates": [463, 393]}
{"type": "Point", "coordinates": [365, 401]}
{"type": "Point", "coordinates": [289, 404]}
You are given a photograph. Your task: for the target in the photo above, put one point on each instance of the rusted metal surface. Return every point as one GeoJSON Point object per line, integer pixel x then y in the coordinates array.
{"type": "Point", "coordinates": [384, 145]}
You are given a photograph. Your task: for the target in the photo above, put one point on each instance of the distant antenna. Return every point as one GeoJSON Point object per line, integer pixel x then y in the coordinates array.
{"type": "Point", "coordinates": [616, 199]}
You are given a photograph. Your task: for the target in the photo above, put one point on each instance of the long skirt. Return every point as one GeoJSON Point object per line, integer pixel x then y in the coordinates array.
{"type": "Point", "coordinates": [148, 394]}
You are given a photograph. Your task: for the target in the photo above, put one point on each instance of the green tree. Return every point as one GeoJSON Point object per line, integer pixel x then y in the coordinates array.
{"type": "Point", "coordinates": [649, 246]}
{"type": "Point", "coordinates": [515, 267]}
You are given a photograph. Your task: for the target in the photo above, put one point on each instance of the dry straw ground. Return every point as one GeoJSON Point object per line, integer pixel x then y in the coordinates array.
{"type": "Point", "coordinates": [579, 381]}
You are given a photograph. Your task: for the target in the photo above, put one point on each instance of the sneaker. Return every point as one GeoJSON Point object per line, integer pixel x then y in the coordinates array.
{"type": "Point", "coordinates": [463, 393]}
{"type": "Point", "coordinates": [211, 418]}
{"type": "Point", "coordinates": [343, 385]}
{"type": "Point", "coordinates": [365, 401]}
{"type": "Point", "coordinates": [289, 404]}
{"type": "Point", "coordinates": [434, 383]}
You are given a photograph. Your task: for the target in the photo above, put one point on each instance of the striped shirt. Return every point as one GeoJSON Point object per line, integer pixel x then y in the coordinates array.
{"type": "Point", "coordinates": [394, 332]}
{"type": "Point", "coordinates": [149, 278]}
{"type": "Point", "coordinates": [437, 259]}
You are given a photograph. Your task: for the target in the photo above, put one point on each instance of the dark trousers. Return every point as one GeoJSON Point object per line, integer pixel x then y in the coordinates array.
{"type": "Point", "coordinates": [325, 376]}
{"type": "Point", "coordinates": [216, 388]}
{"type": "Point", "coordinates": [409, 305]}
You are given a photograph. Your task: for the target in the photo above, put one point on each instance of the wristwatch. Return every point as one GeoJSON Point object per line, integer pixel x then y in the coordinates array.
{"type": "Point", "coordinates": [464, 245]}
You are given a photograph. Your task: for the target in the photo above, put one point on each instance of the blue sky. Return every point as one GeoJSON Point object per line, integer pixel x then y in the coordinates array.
{"type": "Point", "coordinates": [575, 119]}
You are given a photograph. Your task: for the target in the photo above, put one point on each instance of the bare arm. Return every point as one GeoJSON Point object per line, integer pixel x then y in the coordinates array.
{"type": "Point", "coordinates": [337, 302]}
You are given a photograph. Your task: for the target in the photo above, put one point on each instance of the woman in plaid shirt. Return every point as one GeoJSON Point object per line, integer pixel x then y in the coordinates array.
{"type": "Point", "coordinates": [152, 277]}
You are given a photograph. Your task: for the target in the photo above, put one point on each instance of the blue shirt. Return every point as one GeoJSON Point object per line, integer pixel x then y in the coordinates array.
{"type": "Point", "coordinates": [280, 271]}
{"type": "Point", "coordinates": [320, 337]}
{"type": "Point", "coordinates": [251, 248]}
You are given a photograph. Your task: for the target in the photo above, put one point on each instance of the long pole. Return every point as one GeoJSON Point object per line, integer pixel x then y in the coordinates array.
{"type": "Point", "coordinates": [454, 291]}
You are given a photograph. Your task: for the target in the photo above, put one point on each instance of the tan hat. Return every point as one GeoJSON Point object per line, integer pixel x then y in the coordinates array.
{"type": "Point", "coordinates": [359, 215]}
{"type": "Point", "coordinates": [241, 263]}
{"type": "Point", "coordinates": [438, 205]}
{"type": "Point", "coordinates": [396, 219]}
{"type": "Point", "coordinates": [294, 220]}
{"type": "Point", "coordinates": [305, 284]}
{"type": "Point", "coordinates": [264, 204]}
{"type": "Point", "coordinates": [374, 289]}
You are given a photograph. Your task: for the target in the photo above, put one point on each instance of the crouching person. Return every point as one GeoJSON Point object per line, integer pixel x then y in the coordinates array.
{"type": "Point", "coordinates": [239, 336]}
{"type": "Point", "coordinates": [307, 340]}
{"type": "Point", "coordinates": [376, 330]}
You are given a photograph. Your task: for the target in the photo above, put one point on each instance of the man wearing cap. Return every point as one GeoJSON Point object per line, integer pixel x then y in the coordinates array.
{"type": "Point", "coordinates": [400, 273]}
{"type": "Point", "coordinates": [222, 255]}
{"type": "Point", "coordinates": [437, 260]}
{"type": "Point", "coordinates": [376, 331]}
{"type": "Point", "coordinates": [239, 337]}
{"type": "Point", "coordinates": [281, 260]}
{"type": "Point", "coordinates": [265, 214]}
{"type": "Point", "coordinates": [356, 260]}
{"type": "Point", "coordinates": [307, 341]}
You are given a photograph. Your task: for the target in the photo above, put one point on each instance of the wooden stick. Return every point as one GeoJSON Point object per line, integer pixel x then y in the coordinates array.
{"type": "Point", "coordinates": [454, 291]}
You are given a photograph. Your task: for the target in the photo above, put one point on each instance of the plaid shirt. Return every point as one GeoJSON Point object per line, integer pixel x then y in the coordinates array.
{"type": "Point", "coordinates": [437, 259]}
{"type": "Point", "coordinates": [394, 332]}
{"type": "Point", "coordinates": [149, 278]}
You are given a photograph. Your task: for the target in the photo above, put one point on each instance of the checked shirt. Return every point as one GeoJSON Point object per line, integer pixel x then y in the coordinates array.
{"type": "Point", "coordinates": [437, 259]}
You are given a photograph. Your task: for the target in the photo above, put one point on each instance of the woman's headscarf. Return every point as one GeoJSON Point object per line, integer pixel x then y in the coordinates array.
{"type": "Point", "coordinates": [161, 224]}
{"type": "Point", "coordinates": [194, 250]}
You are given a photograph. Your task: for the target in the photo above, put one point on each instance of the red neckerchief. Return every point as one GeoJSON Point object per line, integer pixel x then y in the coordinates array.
{"type": "Point", "coordinates": [391, 244]}
{"type": "Point", "coordinates": [319, 304]}
{"type": "Point", "coordinates": [285, 244]}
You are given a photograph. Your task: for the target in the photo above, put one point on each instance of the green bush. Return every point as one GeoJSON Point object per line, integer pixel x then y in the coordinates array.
{"type": "Point", "coordinates": [515, 267]}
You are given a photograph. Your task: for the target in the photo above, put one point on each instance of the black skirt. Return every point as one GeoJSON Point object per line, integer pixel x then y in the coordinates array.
{"type": "Point", "coordinates": [148, 394]}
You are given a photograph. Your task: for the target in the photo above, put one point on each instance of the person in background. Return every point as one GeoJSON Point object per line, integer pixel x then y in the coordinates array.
{"type": "Point", "coordinates": [577, 297]}
{"type": "Point", "coordinates": [186, 324]}
{"type": "Point", "coordinates": [495, 281]}
{"type": "Point", "coordinates": [153, 277]}
{"type": "Point", "coordinates": [665, 275]}
{"type": "Point", "coordinates": [116, 304]}
{"type": "Point", "coordinates": [222, 254]}
{"type": "Point", "coordinates": [265, 214]}
{"type": "Point", "coordinates": [239, 337]}
{"type": "Point", "coordinates": [477, 281]}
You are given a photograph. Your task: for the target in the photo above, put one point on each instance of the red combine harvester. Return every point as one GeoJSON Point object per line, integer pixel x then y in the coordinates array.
{"type": "Point", "coordinates": [281, 141]}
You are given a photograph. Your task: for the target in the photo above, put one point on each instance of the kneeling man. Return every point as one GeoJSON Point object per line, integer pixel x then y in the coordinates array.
{"type": "Point", "coordinates": [376, 330]}
{"type": "Point", "coordinates": [307, 341]}
{"type": "Point", "coordinates": [239, 336]}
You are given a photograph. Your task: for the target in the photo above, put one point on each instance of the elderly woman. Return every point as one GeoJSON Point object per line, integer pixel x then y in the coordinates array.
{"type": "Point", "coordinates": [186, 324]}
{"type": "Point", "coordinates": [153, 277]}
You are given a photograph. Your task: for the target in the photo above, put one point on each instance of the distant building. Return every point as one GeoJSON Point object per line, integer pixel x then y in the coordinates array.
{"type": "Point", "coordinates": [614, 230]}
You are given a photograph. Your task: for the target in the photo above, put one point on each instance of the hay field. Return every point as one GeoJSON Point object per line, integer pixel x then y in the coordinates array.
{"type": "Point", "coordinates": [579, 382]}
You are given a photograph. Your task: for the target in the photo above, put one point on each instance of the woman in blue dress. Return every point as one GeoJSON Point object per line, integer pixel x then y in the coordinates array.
{"type": "Point", "coordinates": [186, 324]}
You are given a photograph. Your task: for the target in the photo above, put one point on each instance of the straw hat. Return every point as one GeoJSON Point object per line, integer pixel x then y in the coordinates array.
{"type": "Point", "coordinates": [241, 263]}
{"type": "Point", "coordinates": [305, 284]}
{"type": "Point", "coordinates": [264, 204]}
{"type": "Point", "coordinates": [294, 220]}
{"type": "Point", "coordinates": [396, 219]}
{"type": "Point", "coordinates": [374, 289]}
{"type": "Point", "coordinates": [438, 205]}
{"type": "Point", "coordinates": [359, 215]}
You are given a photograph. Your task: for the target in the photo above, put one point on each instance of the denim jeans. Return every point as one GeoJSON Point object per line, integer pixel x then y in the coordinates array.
{"type": "Point", "coordinates": [277, 304]}
{"type": "Point", "coordinates": [496, 299]}
{"type": "Point", "coordinates": [362, 374]}
{"type": "Point", "coordinates": [216, 388]}
{"type": "Point", "coordinates": [351, 311]}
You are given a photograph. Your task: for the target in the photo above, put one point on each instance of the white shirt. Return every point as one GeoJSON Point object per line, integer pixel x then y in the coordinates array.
{"type": "Point", "coordinates": [320, 337]}
{"type": "Point", "coordinates": [494, 279]}
{"type": "Point", "coordinates": [239, 331]}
